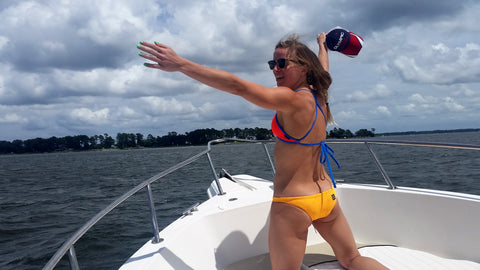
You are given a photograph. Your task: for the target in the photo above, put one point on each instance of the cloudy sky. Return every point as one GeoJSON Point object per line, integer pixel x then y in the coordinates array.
{"type": "Point", "coordinates": [71, 67]}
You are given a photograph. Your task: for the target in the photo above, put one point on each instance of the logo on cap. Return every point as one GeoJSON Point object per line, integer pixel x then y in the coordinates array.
{"type": "Point", "coordinates": [344, 41]}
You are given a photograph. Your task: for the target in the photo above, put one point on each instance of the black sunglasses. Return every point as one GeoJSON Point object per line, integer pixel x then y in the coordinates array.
{"type": "Point", "coordinates": [282, 63]}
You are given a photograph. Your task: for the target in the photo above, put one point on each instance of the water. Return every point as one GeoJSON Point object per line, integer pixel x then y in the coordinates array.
{"type": "Point", "coordinates": [44, 198]}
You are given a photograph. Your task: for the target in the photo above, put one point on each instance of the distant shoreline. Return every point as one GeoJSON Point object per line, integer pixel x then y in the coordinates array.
{"type": "Point", "coordinates": [428, 132]}
{"type": "Point", "coordinates": [197, 137]}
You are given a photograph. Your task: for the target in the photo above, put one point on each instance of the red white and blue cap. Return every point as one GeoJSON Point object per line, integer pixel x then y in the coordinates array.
{"type": "Point", "coordinates": [344, 41]}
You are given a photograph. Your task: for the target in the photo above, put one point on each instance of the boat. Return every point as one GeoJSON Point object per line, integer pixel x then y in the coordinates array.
{"type": "Point", "coordinates": [401, 227]}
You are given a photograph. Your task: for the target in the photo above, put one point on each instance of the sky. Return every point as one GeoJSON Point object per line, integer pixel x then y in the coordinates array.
{"type": "Point", "coordinates": [72, 67]}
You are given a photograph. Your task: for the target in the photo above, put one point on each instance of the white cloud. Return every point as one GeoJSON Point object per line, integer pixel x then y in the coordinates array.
{"type": "Point", "coordinates": [379, 91]}
{"type": "Point", "coordinates": [431, 105]}
{"type": "Point", "coordinates": [159, 105]}
{"type": "Point", "coordinates": [407, 108]}
{"type": "Point", "coordinates": [3, 41]}
{"type": "Point", "coordinates": [441, 48]}
{"type": "Point", "coordinates": [69, 67]}
{"type": "Point", "coordinates": [452, 105]}
{"type": "Point", "coordinates": [12, 118]}
{"type": "Point", "coordinates": [90, 117]}
{"type": "Point", "coordinates": [418, 98]}
{"type": "Point", "coordinates": [440, 64]}
{"type": "Point", "coordinates": [382, 110]}
{"type": "Point", "coordinates": [346, 115]}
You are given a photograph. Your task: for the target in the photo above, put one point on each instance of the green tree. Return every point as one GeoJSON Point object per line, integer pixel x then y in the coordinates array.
{"type": "Point", "coordinates": [139, 139]}
{"type": "Point", "coordinates": [6, 147]}
{"type": "Point", "coordinates": [364, 133]}
{"type": "Point", "coordinates": [149, 141]}
{"type": "Point", "coordinates": [122, 140]}
{"type": "Point", "coordinates": [94, 142]}
{"type": "Point", "coordinates": [263, 134]}
{"type": "Point", "coordinates": [108, 142]}
{"type": "Point", "coordinates": [19, 146]}
{"type": "Point", "coordinates": [340, 133]}
{"type": "Point", "coordinates": [239, 133]}
{"type": "Point", "coordinates": [229, 133]}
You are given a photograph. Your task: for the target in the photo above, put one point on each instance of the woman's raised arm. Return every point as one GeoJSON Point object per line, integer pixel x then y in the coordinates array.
{"type": "Point", "coordinates": [166, 59]}
{"type": "Point", "coordinates": [323, 51]}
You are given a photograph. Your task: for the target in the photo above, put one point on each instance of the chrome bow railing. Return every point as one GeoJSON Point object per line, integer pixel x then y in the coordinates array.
{"type": "Point", "coordinates": [68, 247]}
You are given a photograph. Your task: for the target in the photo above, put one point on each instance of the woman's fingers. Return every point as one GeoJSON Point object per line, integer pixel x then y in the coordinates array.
{"type": "Point", "coordinates": [164, 57]}
{"type": "Point", "coordinates": [148, 48]}
{"type": "Point", "coordinates": [151, 52]}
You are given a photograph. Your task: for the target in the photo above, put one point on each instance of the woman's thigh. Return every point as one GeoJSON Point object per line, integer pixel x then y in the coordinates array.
{"type": "Point", "coordinates": [336, 231]}
{"type": "Point", "coordinates": [287, 236]}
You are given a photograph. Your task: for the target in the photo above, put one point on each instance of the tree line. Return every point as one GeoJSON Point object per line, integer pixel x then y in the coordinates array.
{"type": "Point", "coordinates": [340, 133]}
{"type": "Point", "coordinates": [134, 140]}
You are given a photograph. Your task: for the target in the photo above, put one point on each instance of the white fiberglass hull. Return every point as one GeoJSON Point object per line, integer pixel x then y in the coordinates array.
{"type": "Point", "coordinates": [233, 227]}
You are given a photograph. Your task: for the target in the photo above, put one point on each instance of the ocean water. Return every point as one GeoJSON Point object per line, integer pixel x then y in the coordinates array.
{"type": "Point", "coordinates": [45, 198]}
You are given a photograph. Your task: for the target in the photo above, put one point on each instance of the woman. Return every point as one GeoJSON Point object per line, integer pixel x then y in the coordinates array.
{"type": "Point", "coordinates": [303, 192]}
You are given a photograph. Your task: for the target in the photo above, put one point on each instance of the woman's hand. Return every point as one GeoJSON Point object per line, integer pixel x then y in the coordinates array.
{"type": "Point", "coordinates": [321, 41]}
{"type": "Point", "coordinates": [164, 57]}
{"type": "Point", "coordinates": [323, 50]}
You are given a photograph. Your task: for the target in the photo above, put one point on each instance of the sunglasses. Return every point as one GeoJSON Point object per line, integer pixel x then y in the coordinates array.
{"type": "Point", "coordinates": [281, 63]}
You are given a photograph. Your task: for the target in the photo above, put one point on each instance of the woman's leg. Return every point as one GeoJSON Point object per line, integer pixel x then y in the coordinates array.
{"type": "Point", "coordinates": [336, 231]}
{"type": "Point", "coordinates": [287, 236]}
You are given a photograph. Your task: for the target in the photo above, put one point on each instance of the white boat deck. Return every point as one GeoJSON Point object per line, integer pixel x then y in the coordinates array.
{"type": "Point", "coordinates": [321, 257]}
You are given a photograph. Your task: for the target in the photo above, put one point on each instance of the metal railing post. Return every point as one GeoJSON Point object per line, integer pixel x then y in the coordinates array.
{"type": "Point", "coordinates": [151, 204]}
{"type": "Point", "coordinates": [380, 167]}
{"type": "Point", "coordinates": [269, 158]}
{"type": "Point", "coordinates": [215, 176]}
{"type": "Point", "coordinates": [72, 259]}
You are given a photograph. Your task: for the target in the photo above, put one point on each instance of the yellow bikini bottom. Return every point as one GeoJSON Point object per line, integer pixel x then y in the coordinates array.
{"type": "Point", "coordinates": [316, 206]}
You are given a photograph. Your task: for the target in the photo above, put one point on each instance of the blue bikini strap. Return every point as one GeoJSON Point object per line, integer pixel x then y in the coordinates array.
{"type": "Point", "coordinates": [316, 113]}
{"type": "Point", "coordinates": [311, 127]}
{"type": "Point", "coordinates": [320, 107]}
{"type": "Point", "coordinates": [326, 153]}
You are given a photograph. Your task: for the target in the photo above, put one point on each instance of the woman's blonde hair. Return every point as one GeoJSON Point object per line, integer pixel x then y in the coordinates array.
{"type": "Point", "coordinates": [317, 77]}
